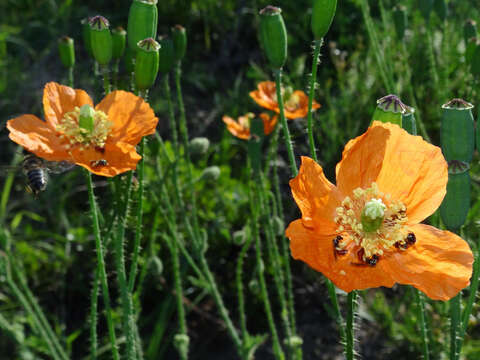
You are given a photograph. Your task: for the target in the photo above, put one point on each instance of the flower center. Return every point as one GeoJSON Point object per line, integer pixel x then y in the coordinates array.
{"type": "Point", "coordinates": [85, 126]}
{"type": "Point", "coordinates": [371, 224]}
{"type": "Point", "coordinates": [244, 121]}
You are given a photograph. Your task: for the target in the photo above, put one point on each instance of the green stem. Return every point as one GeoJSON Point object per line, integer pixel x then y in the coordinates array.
{"type": "Point", "coordinates": [171, 113]}
{"type": "Point", "coordinates": [116, 67]}
{"type": "Point", "coordinates": [94, 317]}
{"type": "Point", "coordinates": [455, 318]}
{"type": "Point", "coordinates": [286, 132]}
{"type": "Point", "coordinates": [101, 266]}
{"type": "Point", "coordinates": [349, 344]}
{"type": "Point", "coordinates": [106, 79]}
{"type": "Point", "coordinates": [423, 326]}
{"type": "Point", "coordinates": [311, 93]}
{"type": "Point", "coordinates": [240, 295]}
{"type": "Point", "coordinates": [471, 297]}
{"type": "Point", "coordinates": [70, 76]}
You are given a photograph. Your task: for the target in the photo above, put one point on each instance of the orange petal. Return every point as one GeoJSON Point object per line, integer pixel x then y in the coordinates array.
{"type": "Point", "coordinates": [236, 129]}
{"type": "Point", "coordinates": [317, 251]}
{"type": "Point", "coordinates": [316, 197]}
{"type": "Point", "coordinates": [439, 264]}
{"type": "Point", "coordinates": [120, 157]}
{"type": "Point", "coordinates": [132, 117]}
{"type": "Point", "coordinates": [265, 95]}
{"type": "Point", "coordinates": [404, 166]}
{"type": "Point", "coordinates": [301, 108]}
{"type": "Point", "coordinates": [59, 99]}
{"type": "Point", "coordinates": [268, 123]}
{"type": "Point", "coordinates": [37, 137]}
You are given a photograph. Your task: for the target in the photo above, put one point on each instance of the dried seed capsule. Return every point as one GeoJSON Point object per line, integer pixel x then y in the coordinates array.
{"type": "Point", "coordinates": [455, 205]}
{"type": "Point", "coordinates": [66, 50]}
{"type": "Point", "coordinates": [441, 9]}
{"type": "Point", "coordinates": [400, 20]}
{"type": "Point", "coordinates": [166, 54]}
{"type": "Point", "coordinates": [87, 40]}
{"type": "Point", "coordinates": [119, 39]}
{"type": "Point", "coordinates": [146, 63]}
{"type": "Point", "coordinates": [322, 16]}
{"type": "Point", "coordinates": [179, 36]}
{"type": "Point", "coordinates": [408, 121]}
{"type": "Point", "coordinates": [457, 131]}
{"type": "Point", "coordinates": [469, 30]}
{"type": "Point", "coordinates": [142, 22]}
{"type": "Point", "coordinates": [390, 109]}
{"type": "Point", "coordinates": [273, 36]}
{"type": "Point", "coordinates": [425, 7]}
{"type": "Point", "coordinates": [101, 39]}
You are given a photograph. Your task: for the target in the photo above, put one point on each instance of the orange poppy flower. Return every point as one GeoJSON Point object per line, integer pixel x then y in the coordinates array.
{"type": "Point", "coordinates": [241, 127]}
{"type": "Point", "coordinates": [104, 144]}
{"type": "Point", "coordinates": [365, 231]}
{"type": "Point", "coordinates": [296, 104]}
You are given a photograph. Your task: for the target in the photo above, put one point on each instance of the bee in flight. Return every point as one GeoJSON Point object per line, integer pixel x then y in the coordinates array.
{"type": "Point", "coordinates": [36, 170]}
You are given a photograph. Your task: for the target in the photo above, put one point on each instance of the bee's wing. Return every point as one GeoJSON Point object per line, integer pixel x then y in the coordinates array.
{"type": "Point", "coordinates": [58, 167]}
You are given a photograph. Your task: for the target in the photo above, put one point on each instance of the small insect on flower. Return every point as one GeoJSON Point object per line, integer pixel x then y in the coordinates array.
{"type": "Point", "coordinates": [388, 181]}
{"type": "Point", "coordinates": [98, 163]}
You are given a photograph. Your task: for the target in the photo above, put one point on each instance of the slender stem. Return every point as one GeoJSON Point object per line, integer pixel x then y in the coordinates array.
{"type": "Point", "coordinates": [311, 93]}
{"type": "Point", "coordinates": [101, 267]}
{"type": "Point", "coordinates": [423, 326]}
{"type": "Point", "coordinates": [240, 295]}
{"type": "Point", "coordinates": [171, 113]}
{"type": "Point", "coordinates": [94, 317]}
{"type": "Point", "coordinates": [455, 318]}
{"type": "Point", "coordinates": [349, 344]}
{"type": "Point", "coordinates": [286, 132]}
{"type": "Point", "coordinates": [106, 79]}
{"type": "Point", "coordinates": [70, 76]}
{"type": "Point", "coordinates": [116, 67]}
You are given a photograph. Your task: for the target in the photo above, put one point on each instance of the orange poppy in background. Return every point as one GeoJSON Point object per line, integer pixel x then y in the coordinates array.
{"type": "Point", "coordinates": [296, 104]}
{"type": "Point", "coordinates": [365, 231]}
{"type": "Point", "coordinates": [241, 128]}
{"type": "Point", "coordinates": [105, 146]}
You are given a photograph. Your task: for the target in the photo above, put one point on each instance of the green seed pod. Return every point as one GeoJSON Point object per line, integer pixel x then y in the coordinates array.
{"type": "Point", "coordinates": [87, 41]}
{"type": "Point", "coordinates": [400, 20]}
{"type": "Point", "coordinates": [441, 9]}
{"type": "Point", "coordinates": [390, 109]}
{"type": "Point", "coordinates": [273, 36]}
{"type": "Point", "coordinates": [119, 39]}
{"type": "Point", "coordinates": [199, 146]}
{"type": "Point", "coordinates": [66, 49]}
{"type": "Point", "coordinates": [475, 61]}
{"type": "Point", "coordinates": [408, 121]}
{"type": "Point", "coordinates": [470, 50]}
{"type": "Point", "coordinates": [86, 120]}
{"type": "Point", "coordinates": [211, 173]}
{"type": "Point", "coordinates": [166, 54]}
{"type": "Point", "coordinates": [322, 16]}
{"type": "Point", "coordinates": [101, 39]}
{"type": "Point", "coordinates": [455, 205]}
{"type": "Point", "coordinates": [469, 30]}
{"type": "Point", "coordinates": [179, 35]}
{"type": "Point", "coordinates": [425, 7]}
{"type": "Point", "coordinates": [142, 22]}
{"type": "Point", "coordinates": [146, 63]}
{"type": "Point", "coordinates": [457, 131]}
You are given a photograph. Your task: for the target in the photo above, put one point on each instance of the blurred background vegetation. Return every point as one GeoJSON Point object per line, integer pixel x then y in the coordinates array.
{"type": "Point", "coordinates": [224, 62]}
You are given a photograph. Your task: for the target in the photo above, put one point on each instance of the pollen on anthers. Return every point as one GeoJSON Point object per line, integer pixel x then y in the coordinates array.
{"type": "Point", "coordinates": [372, 225]}
{"type": "Point", "coordinates": [72, 128]}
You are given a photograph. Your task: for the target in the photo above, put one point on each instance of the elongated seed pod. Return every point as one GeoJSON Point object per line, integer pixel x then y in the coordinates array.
{"type": "Point", "coordinates": [179, 36]}
{"type": "Point", "coordinates": [142, 22]}
{"type": "Point", "coordinates": [323, 12]}
{"type": "Point", "coordinates": [146, 63]}
{"type": "Point", "coordinates": [273, 36]}
{"type": "Point", "coordinates": [400, 20]}
{"type": "Point", "coordinates": [101, 39]}
{"type": "Point", "coordinates": [66, 49]}
{"type": "Point", "coordinates": [408, 121]}
{"type": "Point", "coordinates": [87, 41]}
{"type": "Point", "coordinates": [166, 54]}
{"type": "Point", "coordinates": [457, 131]}
{"type": "Point", "coordinates": [455, 205]}
{"type": "Point", "coordinates": [119, 39]}
{"type": "Point", "coordinates": [475, 60]}
{"type": "Point", "coordinates": [470, 50]}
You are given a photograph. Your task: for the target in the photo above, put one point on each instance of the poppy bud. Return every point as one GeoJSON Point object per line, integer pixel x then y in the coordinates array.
{"type": "Point", "coordinates": [101, 39]}
{"type": "Point", "coordinates": [142, 22]}
{"type": "Point", "coordinates": [166, 54]}
{"type": "Point", "coordinates": [119, 39]}
{"type": "Point", "coordinates": [390, 109]}
{"type": "Point", "coordinates": [475, 60]}
{"type": "Point", "coordinates": [322, 16]}
{"type": "Point", "coordinates": [440, 8]}
{"type": "Point", "coordinates": [181, 343]}
{"type": "Point", "coordinates": [211, 173]}
{"type": "Point", "coordinates": [239, 237]}
{"type": "Point", "coordinates": [278, 226]}
{"type": "Point", "coordinates": [457, 131]}
{"type": "Point", "coordinates": [273, 36]}
{"type": "Point", "coordinates": [469, 30]}
{"type": "Point", "coordinates": [199, 146]}
{"type": "Point", "coordinates": [87, 41]}
{"type": "Point", "coordinates": [66, 50]}
{"type": "Point", "coordinates": [157, 265]}
{"type": "Point", "coordinates": [179, 36]}
{"type": "Point", "coordinates": [456, 204]}
{"type": "Point", "coordinates": [86, 120]}
{"type": "Point", "coordinates": [408, 121]}
{"type": "Point", "coordinates": [425, 7]}
{"type": "Point", "coordinates": [146, 63]}
{"type": "Point", "coordinates": [400, 20]}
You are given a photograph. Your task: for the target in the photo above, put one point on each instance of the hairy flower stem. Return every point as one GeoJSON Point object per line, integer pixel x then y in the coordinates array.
{"type": "Point", "coordinates": [94, 317]}
{"type": "Point", "coordinates": [239, 281]}
{"type": "Point", "coordinates": [286, 132]}
{"type": "Point", "coordinates": [316, 55]}
{"type": "Point", "coordinates": [349, 344]}
{"type": "Point", "coordinates": [171, 113]}
{"type": "Point", "coordinates": [101, 266]}
{"type": "Point", "coordinates": [423, 326]}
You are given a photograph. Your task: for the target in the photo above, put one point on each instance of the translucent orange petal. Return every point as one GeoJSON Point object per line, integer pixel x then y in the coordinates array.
{"type": "Point", "coordinates": [268, 123]}
{"type": "Point", "coordinates": [316, 197]}
{"type": "Point", "coordinates": [404, 166]}
{"type": "Point", "coordinates": [120, 157]}
{"type": "Point", "coordinates": [37, 137]}
{"type": "Point", "coordinates": [236, 129]}
{"type": "Point", "coordinates": [301, 109]}
{"type": "Point", "coordinates": [265, 95]}
{"type": "Point", "coordinates": [132, 117]}
{"type": "Point", "coordinates": [59, 99]}
{"type": "Point", "coordinates": [316, 250]}
{"type": "Point", "coordinates": [439, 264]}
